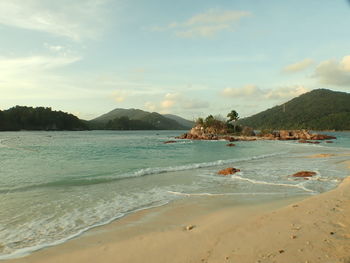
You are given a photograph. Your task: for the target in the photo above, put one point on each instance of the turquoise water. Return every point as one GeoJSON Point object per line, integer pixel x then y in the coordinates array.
{"type": "Point", "coordinates": [56, 185]}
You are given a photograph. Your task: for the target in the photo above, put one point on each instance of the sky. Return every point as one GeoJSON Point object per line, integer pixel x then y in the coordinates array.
{"type": "Point", "coordinates": [191, 58]}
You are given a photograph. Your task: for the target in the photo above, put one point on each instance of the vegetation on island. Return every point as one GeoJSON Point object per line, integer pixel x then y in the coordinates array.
{"type": "Point", "coordinates": [219, 125]}
{"type": "Point", "coordinates": [319, 109]}
{"type": "Point", "coordinates": [40, 118]}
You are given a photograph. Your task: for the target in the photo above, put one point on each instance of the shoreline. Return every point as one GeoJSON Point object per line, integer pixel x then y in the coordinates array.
{"type": "Point", "coordinates": [312, 229]}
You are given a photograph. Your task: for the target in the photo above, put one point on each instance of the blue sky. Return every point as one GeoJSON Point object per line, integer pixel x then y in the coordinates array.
{"type": "Point", "coordinates": [190, 58]}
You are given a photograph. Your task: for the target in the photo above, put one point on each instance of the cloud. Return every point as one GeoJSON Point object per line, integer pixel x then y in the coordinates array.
{"type": "Point", "coordinates": [206, 24]}
{"type": "Point", "coordinates": [245, 91]}
{"type": "Point", "coordinates": [254, 93]}
{"type": "Point", "coordinates": [119, 96]}
{"type": "Point", "coordinates": [175, 101]}
{"type": "Point", "coordinates": [72, 19]}
{"type": "Point", "coordinates": [286, 92]}
{"type": "Point", "coordinates": [332, 72]}
{"type": "Point", "coordinates": [298, 66]}
{"type": "Point", "coordinates": [13, 66]}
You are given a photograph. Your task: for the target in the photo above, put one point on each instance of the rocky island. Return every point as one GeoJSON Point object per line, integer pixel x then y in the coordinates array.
{"type": "Point", "coordinates": [215, 128]}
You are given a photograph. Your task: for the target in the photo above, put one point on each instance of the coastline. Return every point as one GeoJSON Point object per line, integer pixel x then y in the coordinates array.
{"type": "Point", "coordinates": [299, 229]}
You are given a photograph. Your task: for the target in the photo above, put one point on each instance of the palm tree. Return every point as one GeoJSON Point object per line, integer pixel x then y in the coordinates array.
{"type": "Point", "coordinates": [233, 117]}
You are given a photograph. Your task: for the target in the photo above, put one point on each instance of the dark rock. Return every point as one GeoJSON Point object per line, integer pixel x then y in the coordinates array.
{"type": "Point", "coordinates": [231, 145]}
{"type": "Point", "coordinates": [304, 174]}
{"type": "Point", "coordinates": [170, 142]}
{"type": "Point", "coordinates": [228, 171]}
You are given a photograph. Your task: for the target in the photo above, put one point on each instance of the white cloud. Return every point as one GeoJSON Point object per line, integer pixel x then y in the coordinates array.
{"type": "Point", "coordinates": [252, 92]}
{"type": "Point", "coordinates": [332, 72]}
{"type": "Point", "coordinates": [54, 48]}
{"type": "Point", "coordinates": [175, 102]}
{"type": "Point", "coordinates": [298, 66]}
{"type": "Point", "coordinates": [206, 24]}
{"type": "Point", "coordinates": [14, 66]}
{"type": "Point", "coordinates": [286, 92]}
{"type": "Point", "coordinates": [72, 19]}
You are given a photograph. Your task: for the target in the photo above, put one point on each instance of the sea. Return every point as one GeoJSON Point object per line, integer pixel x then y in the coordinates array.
{"type": "Point", "coordinates": [56, 185]}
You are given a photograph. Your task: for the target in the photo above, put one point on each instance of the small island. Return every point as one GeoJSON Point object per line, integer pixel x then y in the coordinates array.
{"type": "Point", "coordinates": [217, 128]}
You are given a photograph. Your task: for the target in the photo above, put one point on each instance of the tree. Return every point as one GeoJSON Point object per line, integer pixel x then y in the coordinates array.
{"type": "Point", "coordinates": [233, 117]}
{"type": "Point", "coordinates": [208, 122]}
{"type": "Point", "coordinates": [200, 121]}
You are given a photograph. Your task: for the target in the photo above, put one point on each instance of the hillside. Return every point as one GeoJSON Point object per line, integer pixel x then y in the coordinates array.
{"type": "Point", "coordinates": [40, 118]}
{"type": "Point", "coordinates": [186, 123]}
{"type": "Point", "coordinates": [319, 109]}
{"type": "Point", "coordinates": [134, 119]}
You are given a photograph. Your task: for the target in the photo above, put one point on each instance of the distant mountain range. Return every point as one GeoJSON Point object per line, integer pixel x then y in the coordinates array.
{"type": "Point", "coordinates": [319, 109]}
{"type": "Point", "coordinates": [135, 119]}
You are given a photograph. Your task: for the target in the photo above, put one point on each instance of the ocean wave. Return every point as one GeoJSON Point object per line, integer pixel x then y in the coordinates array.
{"type": "Point", "coordinates": [21, 252]}
{"type": "Point", "coordinates": [139, 173]}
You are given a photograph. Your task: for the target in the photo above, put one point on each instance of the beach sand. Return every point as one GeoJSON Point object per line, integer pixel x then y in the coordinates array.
{"type": "Point", "coordinates": [312, 229]}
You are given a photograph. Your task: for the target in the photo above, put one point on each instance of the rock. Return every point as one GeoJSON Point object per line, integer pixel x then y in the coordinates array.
{"type": "Point", "coordinates": [170, 142]}
{"type": "Point", "coordinates": [231, 145]}
{"type": "Point", "coordinates": [247, 131]}
{"type": "Point", "coordinates": [329, 141]}
{"type": "Point", "coordinates": [304, 174]}
{"type": "Point", "coordinates": [305, 141]}
{"type": "Point", "coordinates": [228, 171]}
{"type": "Point", "coordinates": [322, 137]}
{"type": "Point", "coordinates": [189, 227]}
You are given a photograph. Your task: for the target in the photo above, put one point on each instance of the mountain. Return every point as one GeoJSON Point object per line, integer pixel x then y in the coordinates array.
{"type": "Point", "coordinates": [135, 119]}
{"type": "Point", "coordinates": [319, 109]}
{"type": "Point", "coordinates": [40, 118]}
{"type": "Point", "coordinates": [186, 123]}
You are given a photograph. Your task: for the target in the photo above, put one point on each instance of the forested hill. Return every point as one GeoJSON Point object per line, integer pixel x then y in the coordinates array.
{"type": "Point", "coordinates": [134, 119]}
{"type": "Point", "coordinates": [40, 118]}
{"type": "Point", "coordinates": [319, 109]}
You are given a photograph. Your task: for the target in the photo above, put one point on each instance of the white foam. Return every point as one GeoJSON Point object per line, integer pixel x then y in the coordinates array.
{"type": "Point", "coordinates": [274, 184]}
{"type": "Point", "coordinates": [225, 194]}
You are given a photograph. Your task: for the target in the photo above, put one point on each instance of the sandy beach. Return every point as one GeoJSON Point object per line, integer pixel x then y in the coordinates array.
{"type": "Point", "coordinates": [299, 229]}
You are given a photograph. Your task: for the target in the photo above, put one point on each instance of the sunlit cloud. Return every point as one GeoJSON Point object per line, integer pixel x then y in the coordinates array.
{"type": "Point", "coordinates": [175, 102]}
{"type": "Point", "coordinates": [246, 91]}
{"type": "Point", "coordinates": [299, 66]}
{"type": "Point", "coordinates": [253, 92]}
{"type": "Point", "coordinates": [332, 72]}
{"type": "Point", "coordinates": [119, 96]}
{"type": "Point", "coordinates": [286, 92]}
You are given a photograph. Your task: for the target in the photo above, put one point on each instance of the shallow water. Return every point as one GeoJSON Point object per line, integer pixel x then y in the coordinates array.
{"type": "Point", "coordinates": [55, 185]}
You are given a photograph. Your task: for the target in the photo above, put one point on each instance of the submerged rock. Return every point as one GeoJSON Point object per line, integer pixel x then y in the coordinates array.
{"type": "Point", "coordinates": [306, 141]}
{"type": "Point", "coordinates": [304, 174]}
{"type": "Point", "coordinates": [231, 145]}
{"type": "Point", "coordinates": [170, 142]}
{"type": "Point", "coordinates": [228, 171]}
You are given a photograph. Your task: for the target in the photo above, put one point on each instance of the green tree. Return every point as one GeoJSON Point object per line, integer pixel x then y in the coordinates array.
{"type": "Point", "coordinates": [233, 117]}
{"type": "Point", "coordinates": [208, 122]}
